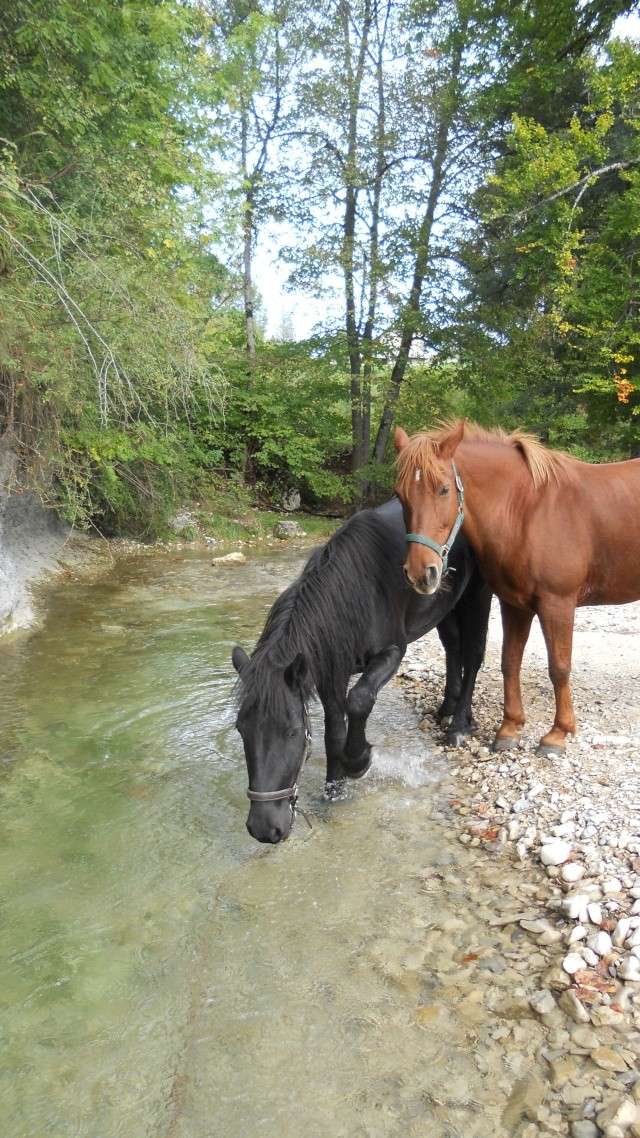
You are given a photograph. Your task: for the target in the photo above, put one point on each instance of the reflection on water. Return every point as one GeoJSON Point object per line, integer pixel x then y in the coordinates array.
{"type": "Point", "coordinates": [163, 975]}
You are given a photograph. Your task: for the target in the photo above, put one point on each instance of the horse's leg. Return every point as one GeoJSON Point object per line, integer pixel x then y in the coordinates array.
{"type": "Point", "coordinates": [516, 625]}
{"type": "Point", "coordinates": [449, 633]}
{"type": "Point", "coordinates": [360, 701]}
{"type": "Point", "coordinates": [335, 737]}
{"type": "Point", "coordinates": [556, 617]}
{"type": "Point", "coordinates": [472, 611]}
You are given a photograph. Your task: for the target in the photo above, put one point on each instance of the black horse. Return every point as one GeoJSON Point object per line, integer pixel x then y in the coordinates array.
{"type": "Point", "coordinates": [349, 611]}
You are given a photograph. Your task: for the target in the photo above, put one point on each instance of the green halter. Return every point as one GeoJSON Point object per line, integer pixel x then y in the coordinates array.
{"type": "Point", "coordinates": [444, 550]}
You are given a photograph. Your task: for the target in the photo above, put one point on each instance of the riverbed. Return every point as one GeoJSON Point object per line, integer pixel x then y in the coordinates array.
{"type": "Point", "coordinates": [165, 976]}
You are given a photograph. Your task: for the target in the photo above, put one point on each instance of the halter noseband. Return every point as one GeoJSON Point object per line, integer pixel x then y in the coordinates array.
{"type": "Point", "coordinates": [290, 792]}
{"type": "Point", "coordinates": [443, 551]}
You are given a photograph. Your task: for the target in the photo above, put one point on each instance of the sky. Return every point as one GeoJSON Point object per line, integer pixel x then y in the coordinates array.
{"type": "Point", "coordinates": [297, 311]}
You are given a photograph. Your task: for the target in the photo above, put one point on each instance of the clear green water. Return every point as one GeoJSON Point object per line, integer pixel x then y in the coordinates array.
{"type": "Point", "coordinates": [162, 975]}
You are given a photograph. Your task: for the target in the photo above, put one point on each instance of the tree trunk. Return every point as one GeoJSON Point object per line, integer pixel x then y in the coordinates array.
{"type": "Point", "coordinates": [354, 85]}
{"type": "Point", "coordinates": [411, 313]}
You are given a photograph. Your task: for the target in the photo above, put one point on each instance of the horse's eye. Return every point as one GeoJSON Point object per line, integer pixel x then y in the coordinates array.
{"type": "Point", "coordinates": [292, 733]}
{"type": "Point", "coordinates": [443, 491]}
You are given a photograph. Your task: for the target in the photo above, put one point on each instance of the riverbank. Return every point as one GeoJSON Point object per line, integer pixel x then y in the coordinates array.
{"type": "Point", "coordinates": [37, 548]}
{"type": "Point", "coordinates": [569, 828]}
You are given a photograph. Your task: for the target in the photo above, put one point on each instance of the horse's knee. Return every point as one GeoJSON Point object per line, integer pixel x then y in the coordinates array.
{"type": "Point", "coordinates": [559, 674]}
{"type": "Point", "coordinates": [360, 702]}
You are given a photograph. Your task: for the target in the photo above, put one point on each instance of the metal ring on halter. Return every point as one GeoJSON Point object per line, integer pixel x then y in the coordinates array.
{"type": "Point", "coordinates": [290, 792]}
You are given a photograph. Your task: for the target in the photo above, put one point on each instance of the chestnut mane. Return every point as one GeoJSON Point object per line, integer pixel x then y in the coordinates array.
{"type": "Point", "coordinates": [422, 452]}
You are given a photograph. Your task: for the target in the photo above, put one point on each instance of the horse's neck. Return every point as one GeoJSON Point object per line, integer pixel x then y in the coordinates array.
{"type": "Point", "coordinates": [493, 483]}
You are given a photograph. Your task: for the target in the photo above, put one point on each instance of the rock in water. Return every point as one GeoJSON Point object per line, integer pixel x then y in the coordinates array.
{"type": "Point", "coordinates": [236, 558]}
{"type": "Point", "coordinates": [288, 529]}
{"type": "Point", "coordinates": [524, 1101]}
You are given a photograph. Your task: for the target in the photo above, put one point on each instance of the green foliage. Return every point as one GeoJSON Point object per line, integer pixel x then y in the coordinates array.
{"type": "Point", "coordinates": [137, 154]}
{"type": "Point", "coordinates": [294, 415]}
{"type": "Point", "coordinates": [552, 336]}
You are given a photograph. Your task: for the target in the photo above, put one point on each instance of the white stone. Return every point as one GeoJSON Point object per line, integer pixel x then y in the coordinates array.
{"type": "Point", "coordinates": [555, 852]}
{"type": "Point", "coordinates": [236, 558]}
{"type": "Point", "coordinates": [583, 1128]}
{"type": "Point", "coordinates": [577, 933]}
{"type": "Point", "coordinates": [600, 943]}
{"type": "Point", "coordinates": [635, 908]}
{"type": "Point", "coordinates": [572, 871]}
{"type": "Point", "coordinates": [573, 962]}
{"type": "Point", "coordinates": [621, 931]}
{"type": "Point", "coordinates": [630, 968]}
{"type": "Point", "coordinates": [611, 885]}
{"type": "Point", "coordinates": [595, 913]}
{"type": "Point", "coordinates": [590, 956]}
{"type": "Point", "coordinates": [575, 905]}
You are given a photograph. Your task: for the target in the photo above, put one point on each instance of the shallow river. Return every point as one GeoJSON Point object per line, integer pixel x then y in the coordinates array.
{"type": "Point", "coordinates": [163, 976]}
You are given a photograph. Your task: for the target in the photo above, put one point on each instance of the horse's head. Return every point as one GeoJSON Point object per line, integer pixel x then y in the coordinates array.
{"type": "Point", "coordinates": [431, 494]}
{"type": "Point", "coordinates": [275, 734]}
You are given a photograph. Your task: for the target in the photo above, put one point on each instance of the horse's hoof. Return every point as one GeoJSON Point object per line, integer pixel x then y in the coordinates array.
{"type": "Point", "coordinates": [550, 750]}
{"type": "Point", "coordinates": [504, 743]}
{"type": "Point", "coordinates": [444, 714]}
{"type": "Point", "coordinates": [360, 766]}
{"type": "Point", "coordinates": [335, 789]}
{"type": "Point", "coordinates": [456, 738]}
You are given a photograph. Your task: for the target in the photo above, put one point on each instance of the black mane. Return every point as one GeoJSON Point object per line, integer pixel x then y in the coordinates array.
{"type": "Point", "coordinates": [325, 615]}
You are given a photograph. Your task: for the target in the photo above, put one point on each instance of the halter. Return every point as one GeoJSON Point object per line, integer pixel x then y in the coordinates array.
{"type": "Point", "coordinates": [443, 551]}
{"type": "Point", "coordinates": [290, 792]}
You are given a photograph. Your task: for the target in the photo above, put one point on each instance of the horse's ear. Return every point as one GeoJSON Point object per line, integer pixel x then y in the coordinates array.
{"type": "Point", "coordinates": [239, 659]}
{"type": "Point", "coordinates": [400, 439]}
{"type": "Point", "coordinates": [295, 672]}
{"type": "Point", "coordinates": [451, 442]}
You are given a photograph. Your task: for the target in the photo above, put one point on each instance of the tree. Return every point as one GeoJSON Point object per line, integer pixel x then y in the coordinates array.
{"type": "Point", "coordinates": [102, 244]}
{"type": "Point", "coordinates": [552, 305]}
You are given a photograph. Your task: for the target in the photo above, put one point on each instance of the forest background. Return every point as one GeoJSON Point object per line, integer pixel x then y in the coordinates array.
{"type": "Point", "coordinates": [455, 190]}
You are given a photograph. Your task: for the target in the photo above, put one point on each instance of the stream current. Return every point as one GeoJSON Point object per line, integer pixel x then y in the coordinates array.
{"type": "Point", "coordinates": [163, 976]}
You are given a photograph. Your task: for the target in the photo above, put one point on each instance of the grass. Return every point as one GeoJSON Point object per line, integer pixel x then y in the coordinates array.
{"type": "Point", "coordinates": [226, 512]}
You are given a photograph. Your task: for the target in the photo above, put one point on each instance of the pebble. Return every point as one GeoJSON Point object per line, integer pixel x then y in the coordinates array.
{"type": "Point", "coordinates": [600, 943]}
{"type": "Point", "coordinates": [562, 1071]}
{"type": "Point", "coordinates": [585, 1037]}
{"type": "Point", "coordinates": [595, 913]}
{"type": "Point", "coordinates": [621, 932]}
{"type": "Point", "coordinates": [576, 907]}
{"type": "Point", "coordinates": [572, 871]}
{"type": "Point", "coordinates": [573, 962]}
{"type": "Point", "coordinates": [608, 1060]}
{"type": "Point", "coordinates": [583, 1128]}
{"type": "Point", "coordinates": [573, 1007]}
{"type": "Point", "coordinates": [622, 1113]}
{"type": "Point", "coordinates": [578, 932]}
{"type": "Point", "coordinates": [630, 968]}
{"type": "Point", "coordinates": [555, 852]}
{"type": "Point", "coordinates": [236, 558]}
{"type": "Point", "coordinates": [543, 1003]}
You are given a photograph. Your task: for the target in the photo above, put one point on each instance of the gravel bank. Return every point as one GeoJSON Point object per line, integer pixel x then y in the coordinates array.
{"type": "Point", "coordinates": [569, 829]}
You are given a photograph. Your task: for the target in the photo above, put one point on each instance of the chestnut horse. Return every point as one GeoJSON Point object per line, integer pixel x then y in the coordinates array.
{"type": "Point", "coordinates": [549, 532]}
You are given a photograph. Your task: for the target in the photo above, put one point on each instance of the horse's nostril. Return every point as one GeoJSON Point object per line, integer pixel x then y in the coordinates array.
{"type": "Point", "coordinates": [431, 575]}
{"type": "Point", "coordinates": [406, 575]}
{"type": "Point", "coordinates": [275, 834]}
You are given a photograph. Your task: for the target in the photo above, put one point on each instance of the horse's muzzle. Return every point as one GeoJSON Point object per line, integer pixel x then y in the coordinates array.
{"type": "Point", "coordinates": [428, 582]}
{"type": "Point", "coordinates": [270, 822]}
